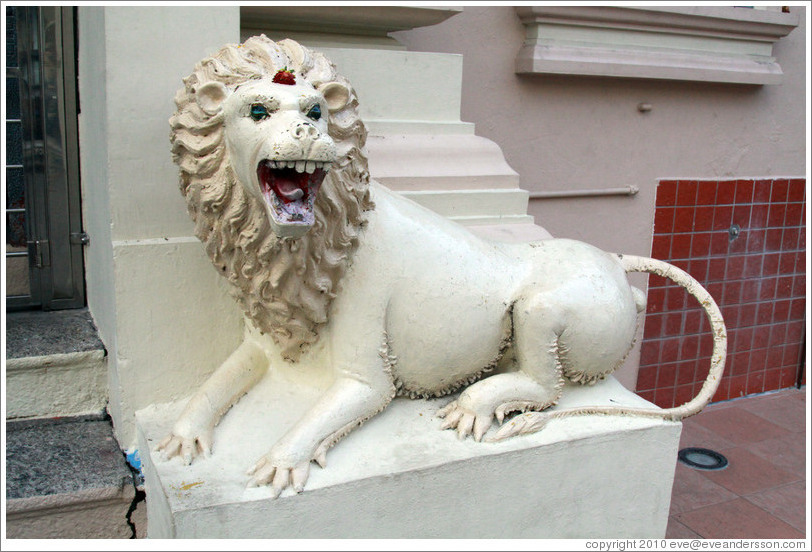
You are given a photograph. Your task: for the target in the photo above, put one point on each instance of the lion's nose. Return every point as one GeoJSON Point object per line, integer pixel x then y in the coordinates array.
{"type": "Point", "coordinates": [305, 131]}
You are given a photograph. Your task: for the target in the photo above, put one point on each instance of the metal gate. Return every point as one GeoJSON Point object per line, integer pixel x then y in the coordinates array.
{"type": "Point", "coordinates": [44, 239]}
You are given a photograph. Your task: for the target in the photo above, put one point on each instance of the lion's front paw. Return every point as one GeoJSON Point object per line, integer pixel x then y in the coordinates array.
{"type": "Point", "coordinates": [186, 446]}
{"type": "Point", "coordinates": [284, 467]}
{"type": "Point", "coordinates": [465, 419]}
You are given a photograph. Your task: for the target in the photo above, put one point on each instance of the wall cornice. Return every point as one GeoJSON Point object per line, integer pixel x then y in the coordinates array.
{"type": "Point", "coordinates": [712, 44]}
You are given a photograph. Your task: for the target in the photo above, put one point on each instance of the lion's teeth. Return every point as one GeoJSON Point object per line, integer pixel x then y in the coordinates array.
{"type": "Point", "coordinates": [310, 166]}
{"type": "Point", "coordinates": [300, 166]}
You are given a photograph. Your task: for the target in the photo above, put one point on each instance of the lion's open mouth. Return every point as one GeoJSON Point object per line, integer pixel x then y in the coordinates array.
{"type": "Point", "coordinates": [290, 189]}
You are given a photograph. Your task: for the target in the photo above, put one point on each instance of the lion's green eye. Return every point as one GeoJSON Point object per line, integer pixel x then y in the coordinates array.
{"type": "Point", "coordinates": [315, 112]}
{"type": "Point", "coordinates": [258, 112]}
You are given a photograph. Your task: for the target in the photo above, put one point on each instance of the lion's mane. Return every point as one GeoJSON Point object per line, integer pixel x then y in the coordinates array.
{"type": "Point", "coordinates": [285, 286]}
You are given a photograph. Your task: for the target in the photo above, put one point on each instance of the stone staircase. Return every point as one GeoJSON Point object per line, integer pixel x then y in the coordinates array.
{"type": "Point", "coordinates": [66, 475]}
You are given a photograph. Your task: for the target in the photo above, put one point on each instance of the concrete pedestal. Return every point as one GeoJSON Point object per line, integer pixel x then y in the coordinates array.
{"type": "Point", "coordinates": [400, 476]}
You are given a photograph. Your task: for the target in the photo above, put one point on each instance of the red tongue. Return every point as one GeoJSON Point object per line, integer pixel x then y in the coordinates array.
{"type": "Point", "coordinates": [287, 184]}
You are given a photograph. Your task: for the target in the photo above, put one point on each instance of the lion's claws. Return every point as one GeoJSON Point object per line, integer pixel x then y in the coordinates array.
{"type": "Point", "coordinates": [187, 448]}
{"type": "Point", "coordinates": [465, 421]}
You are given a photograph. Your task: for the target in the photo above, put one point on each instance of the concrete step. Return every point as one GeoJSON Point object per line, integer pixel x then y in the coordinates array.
{"type": "Point", "coordinates": [67, 478]}
{"type": "Point", "coordinates": [56, 365]}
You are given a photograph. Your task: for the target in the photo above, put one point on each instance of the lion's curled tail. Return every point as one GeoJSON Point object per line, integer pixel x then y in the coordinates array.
{"type": "Point", "coordinates": [531, 422]}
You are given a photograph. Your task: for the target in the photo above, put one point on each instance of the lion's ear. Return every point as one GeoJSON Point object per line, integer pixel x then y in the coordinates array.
{"type": "Point", "coordinates": [336, 94]}
{"type": "Point", "coordinates": [210, 96]}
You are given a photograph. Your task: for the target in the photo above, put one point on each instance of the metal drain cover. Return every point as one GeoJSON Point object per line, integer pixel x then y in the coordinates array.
{"type": "Point", "coordinates": [702, 458]}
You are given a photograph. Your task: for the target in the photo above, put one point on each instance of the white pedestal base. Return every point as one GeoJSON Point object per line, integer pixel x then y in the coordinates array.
{"type": "Point", "coordinates": [400, 476]}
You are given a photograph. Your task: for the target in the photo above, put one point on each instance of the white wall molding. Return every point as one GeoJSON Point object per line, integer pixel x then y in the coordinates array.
{"type": "Point", "coordinates": [710, 44]}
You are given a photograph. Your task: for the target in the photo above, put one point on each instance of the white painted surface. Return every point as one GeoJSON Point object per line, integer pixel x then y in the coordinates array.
{"type": "Point", "coordinates": [130, 196]}
{"type": "Point", "coordinates": [69, 384]}
{"type": "Point", "coordinates": [400, 476]}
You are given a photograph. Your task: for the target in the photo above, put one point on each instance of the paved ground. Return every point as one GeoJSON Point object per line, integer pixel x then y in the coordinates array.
{"type": "Point", "coordinates": [762, 492]}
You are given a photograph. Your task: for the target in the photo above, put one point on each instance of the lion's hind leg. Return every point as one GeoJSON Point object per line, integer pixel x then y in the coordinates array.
{"type": "Point", "coordinates": [537, 327]}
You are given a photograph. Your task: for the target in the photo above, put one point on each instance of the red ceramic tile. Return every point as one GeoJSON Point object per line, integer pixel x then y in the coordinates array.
{"type": "Point", "coordinates": [739, 426]}
{"type": "Point", "coordinates": [647, 395]}
{"type": "Point", "coordinates": [767, 292]}
{"type": "Point", "coordinates": [757, 361]}
{"type": "Point", "coordinates": [772, 239]}
{"type": "Point", "coordinates": [715, 289]}
{"type": "Point", "coordinates": [761, 191]}
{"type": "Point", "coordinates": [693, 321]}
{"type": "Point", "coordinates": [690, 347]}
{"type": "Point", "coordinates": [738, 385]}
{"type": "Point", "coordinates": [739, 243]}
{"type": "Point", "coordinates": [703, 219]}
{"type": "Point", "coordinates": [680, 246]}
{"type": "Point", "coordinates": [663, 220]}
{"type": "Point", "coordinates": [764, 312]}
{"type": "Point", "coordinates": [722, 392]}
{"type": "Point", "coordinates": [783, 288]}
{"type": "Point", "coordinates": [647, 378]}
{"type": "Point", "coordinates": [664, 398]}
{"type": "Point", "coordinates": [789, 376]}
{"type": "Point", "coordinates": [684, 219]}
{"type": "Point", "coordinates": [686, 192]}
{"type": "Point", "coordinates": [775, 216]}
{"type": "Point", "coordinates": [683, 394]}
{"type": "Point", "coordinates": [731, 314]}
{"type": "Point", "coordinates": [738, 363]}
{"type": "Point", "coordinates": [800, 261]}
{"type": "Point", "coordinates": [719, 243]}
{"type": "Point", "coordinates": [744, 191]}
{"type": "Point", "coordinates": [781, 310]}
{"type": "Point", "coordinates": [675, 299]}
{"type": "Point", "coordinates": [732, 293]}
{"type": "Point", "coordinates": [655, 281]}
{"type": "Point", "coordinates": [653, 328]}
{"type": "Point", "coordinates": [778, 357]}
{"type": "Point", "coordinates": [686, 372]}
{"type": "Point", "coordinates": [722, 217]}
{"type": "Point", "coordinates": [677, 530]}
{"type": "Point", "coordinates": [779, 190]}
{"type": "Point", "coordinates": [673, 323]}
{"type": "Point", "coordinates": [700, 245]}
{"type": "Point", "coordinates": [669, 352]}
{"type": "Point", "coordinates": [782, 502]}
{"type": "Point", "coordinates": [786, 263]}
{"type": "Point", "coordinates": [795, 331]}
{"type": "Point", "coordinates": [743, 339]}
{"type": "Point", "coordinates": [755, 382]}
{"type": "Point", "coordinates": [706, 192]}
{"type": "Point", "coordinates": [761, 336]}
{"type": "Point", "coordinates": [789, 238]}
{"type": "Point", "coordinates": [795, 190]}
{"type": "Point", "coordinates": [667, 193]}
{"type": "Point", "coordinates": [799, 285]}
{"type": "Point", "coordinates": [747, 315]}
{"type": "Point", "coordinates": [750, 290]}
{"type": "Point", "coordinates": [741, 215]}
{"type": "Point", "coordinates": [797, 308]}
{"type": "Point", "coordinates": [755, 241]}
{"type": "Point", "coordinates": [749, 473]}
{"type": "Point", "coordinates": [758, 216]}
{"type": "Point", "coordinates": [736, 519]}
{"type": "Point", "coordinates": [794, 215]}
{"type": "Point", "coordinates": [726, 192]}
{"type": "Point", "coordinates": [770, 264]}
{"type": "Point", "coordinates": [735, 267]}
{"type": "Point", "coordinates": [716, 269]}
{"type": "Point", "coordinates": [656, 300]}
{"type": "Point", "coordinates": [661, 246]}
{"type": "Point", "coordinates": [772, 379]}
{"type": "Point", "coordinates": [650, 353]}
{"type": "Point", "coordinates": [698, 268]}
{"type": "Point", "coordinates": [778, 333]}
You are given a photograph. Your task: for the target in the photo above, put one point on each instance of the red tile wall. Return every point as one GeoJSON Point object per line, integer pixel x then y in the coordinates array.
{"type": "Point", "coordinates": [756, 276]}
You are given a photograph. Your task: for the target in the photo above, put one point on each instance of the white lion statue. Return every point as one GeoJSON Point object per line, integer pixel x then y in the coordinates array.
{"type": "Point", "coordinates": [334, 270]}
